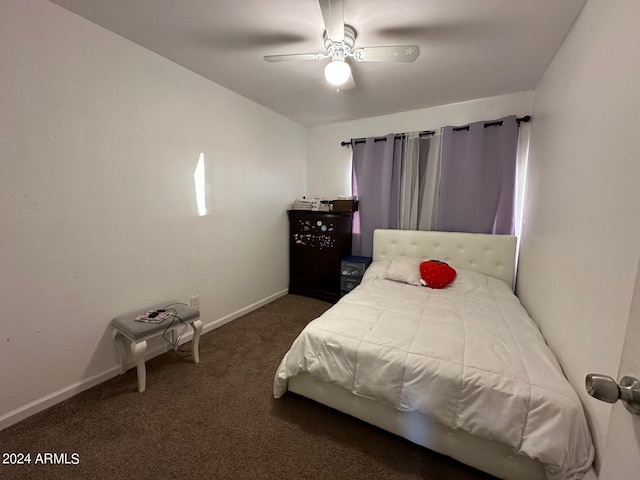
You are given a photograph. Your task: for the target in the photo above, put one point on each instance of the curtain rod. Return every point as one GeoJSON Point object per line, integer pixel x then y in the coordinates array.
{"type": "Point", "coordinates": [526, 119]}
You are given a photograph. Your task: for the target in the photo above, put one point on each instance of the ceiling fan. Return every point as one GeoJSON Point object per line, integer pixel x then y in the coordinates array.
{"type": "Point", "coordinates": [339, 40]}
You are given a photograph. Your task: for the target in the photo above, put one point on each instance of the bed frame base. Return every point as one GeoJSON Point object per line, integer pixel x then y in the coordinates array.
{"type": "Point", "coordinates": [492, 255]}
{"type": "Point", "coordinates": [488, 456]}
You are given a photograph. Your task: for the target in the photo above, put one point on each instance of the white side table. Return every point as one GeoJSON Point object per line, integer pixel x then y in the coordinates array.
{"type": "Point", "coordinates": [125, 326]}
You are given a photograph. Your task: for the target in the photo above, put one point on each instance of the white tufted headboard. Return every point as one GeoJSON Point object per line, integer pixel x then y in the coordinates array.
{"type": "Point", "coordinates": [492, 255]}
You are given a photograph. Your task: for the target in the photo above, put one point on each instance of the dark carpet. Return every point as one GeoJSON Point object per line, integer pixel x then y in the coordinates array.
{"type": "Point", "coordinates": [217, 420]}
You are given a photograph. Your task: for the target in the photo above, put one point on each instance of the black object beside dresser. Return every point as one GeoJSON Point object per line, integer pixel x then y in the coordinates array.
{"type": "Point", "coordinates": [351, 272]}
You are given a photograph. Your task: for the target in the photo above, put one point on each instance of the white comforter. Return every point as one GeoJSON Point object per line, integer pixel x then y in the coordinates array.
{"type": "Point", "coordinates": [468, 356]}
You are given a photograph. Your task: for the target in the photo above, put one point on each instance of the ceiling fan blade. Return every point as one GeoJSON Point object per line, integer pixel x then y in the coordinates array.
{"type": "Point", "coordinates": [294, 56]}
{"type": "Point", "coordinates": [398, 53]}
{"type": "Point", "coordinates": [333, 15]}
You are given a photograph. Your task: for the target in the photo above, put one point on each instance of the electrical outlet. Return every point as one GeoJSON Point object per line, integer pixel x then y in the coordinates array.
{"type": "Point", "coordinates": [195, 302]}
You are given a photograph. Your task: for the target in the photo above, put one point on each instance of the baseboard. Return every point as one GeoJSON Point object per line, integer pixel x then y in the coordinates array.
{"type": "Point", "coordinates": [243, 311]}
{"type": "Point", "coordinates": [63, 394]}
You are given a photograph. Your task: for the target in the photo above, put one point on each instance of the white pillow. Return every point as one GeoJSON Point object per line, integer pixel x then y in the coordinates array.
{"type": "Point", "coordinates": [404, 269]}
{"type": "Point", "coordinates": [376, 270]}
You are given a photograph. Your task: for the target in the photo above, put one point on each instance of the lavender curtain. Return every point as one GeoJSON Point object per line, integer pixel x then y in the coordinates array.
{"type": "Point", "coordinates": [376, 168]}
{"type": "Point", "coordinates": [477, 177]}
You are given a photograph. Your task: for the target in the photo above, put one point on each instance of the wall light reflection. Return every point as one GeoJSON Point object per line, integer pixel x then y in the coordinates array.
{"type": "Point", "coordinates": [199, 181]}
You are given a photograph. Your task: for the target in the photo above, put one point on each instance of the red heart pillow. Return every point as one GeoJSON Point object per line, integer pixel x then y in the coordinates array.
{"type": "Point", "coordinates": [436, 274]}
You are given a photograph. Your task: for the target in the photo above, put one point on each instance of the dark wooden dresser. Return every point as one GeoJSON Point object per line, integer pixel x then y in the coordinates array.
{"type": "Point", "coordinates": [317, 243]}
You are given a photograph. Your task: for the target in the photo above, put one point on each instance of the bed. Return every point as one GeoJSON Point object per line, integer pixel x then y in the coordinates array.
{"type": "Point", "coordinates": [462, 370]}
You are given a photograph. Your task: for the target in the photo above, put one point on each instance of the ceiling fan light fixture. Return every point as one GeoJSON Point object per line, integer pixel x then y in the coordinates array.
{"type": "Point", "coordinates": [339, 41]}
{"type": "Point", "coordinates": [337, 72]}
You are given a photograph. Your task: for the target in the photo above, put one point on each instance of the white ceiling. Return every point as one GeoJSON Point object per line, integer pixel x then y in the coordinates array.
{"type": "Point", "coordinates": [469, 48]}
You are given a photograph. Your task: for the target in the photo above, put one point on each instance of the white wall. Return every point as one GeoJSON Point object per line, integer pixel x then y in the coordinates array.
{"type": "Point", "coordinates": [329, 164]}
{"type": "Point", "coordinates": [581, 236]}
{"type": "Point", "coordinates": [99, 141]}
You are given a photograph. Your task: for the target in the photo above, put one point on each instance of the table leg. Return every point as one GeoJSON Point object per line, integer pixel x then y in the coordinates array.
{"type": "Point", "coordinates": [174, 339]}
{"type": "Point", "coordinates": [138, 349]}
{"type": "Point", "coordinates": [118, 339]}
{"type": "Point", "coordinates": [195, 342]}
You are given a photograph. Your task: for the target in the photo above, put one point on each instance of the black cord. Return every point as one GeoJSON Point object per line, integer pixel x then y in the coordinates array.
{"type": "Point", "coordinates": [172, 324]}
{"type": "Point", "coordinates": [174, 317]}
{"type": "Point", "coordinates": [175, 303]}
